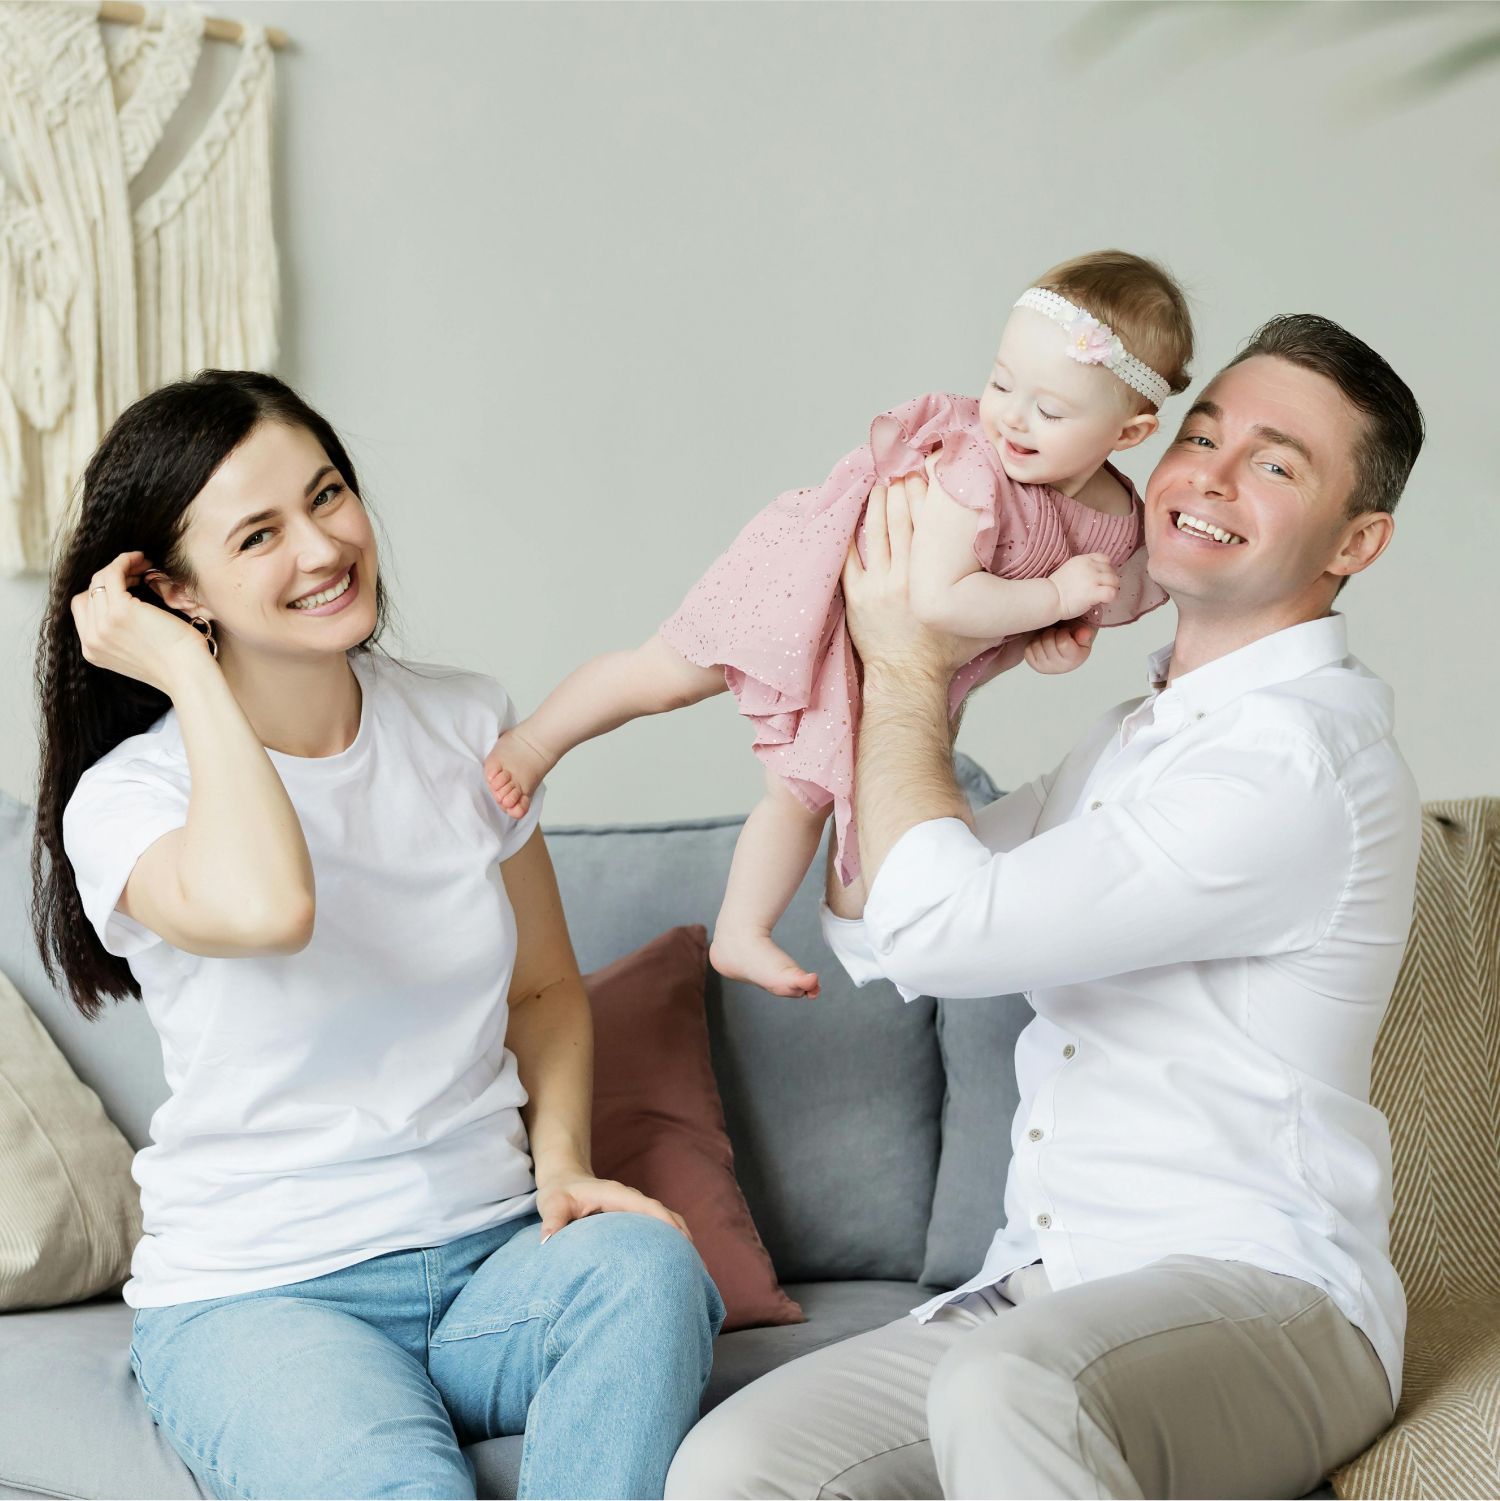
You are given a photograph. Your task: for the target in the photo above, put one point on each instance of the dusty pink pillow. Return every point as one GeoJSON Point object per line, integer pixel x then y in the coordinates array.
{"type": "Point", "coordinates": [659, 1123]}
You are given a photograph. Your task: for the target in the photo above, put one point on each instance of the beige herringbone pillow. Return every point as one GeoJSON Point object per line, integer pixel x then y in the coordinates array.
{"type": "Point", "coordinates": [1437, 1078]}
{"type": "Point", "coordinates": [70, 1212]}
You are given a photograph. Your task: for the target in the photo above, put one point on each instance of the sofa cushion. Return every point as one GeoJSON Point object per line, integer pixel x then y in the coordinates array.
{"type": "Point", "coordinates": [1445, 1440]}
{"type": "Point", "coordinates": [978, 1044]}
{"type": "Point", "coordinates": [659, 1124]}
{"type": "Point", "coordinates": [835, 1311]}
{"type": "Point", "coordinates": [823, 1099]}
{"type": "Point", "coordinates": [72, 1419]}
{"type": "Point", "coordinates": [68, 1367]}
{"type": "Point", "coordinates": [70, 1214]}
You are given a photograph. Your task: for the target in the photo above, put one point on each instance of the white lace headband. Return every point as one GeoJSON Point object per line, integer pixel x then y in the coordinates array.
{"type": "Point", "coordinates": [1091, 342]}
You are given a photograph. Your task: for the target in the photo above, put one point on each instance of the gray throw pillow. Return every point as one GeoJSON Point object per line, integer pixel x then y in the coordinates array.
{"type": "Point", "coordinates": [977, 1042]}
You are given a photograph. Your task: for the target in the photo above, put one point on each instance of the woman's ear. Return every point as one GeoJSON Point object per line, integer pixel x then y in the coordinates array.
{"type": "Point", "coordinates": [172, 594]}
{"type": "Point", "coordinates": [1137, 430]}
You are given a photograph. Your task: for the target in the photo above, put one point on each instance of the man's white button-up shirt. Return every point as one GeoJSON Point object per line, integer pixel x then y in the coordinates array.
{"type": "Point", "coordinates": [1206, 905]}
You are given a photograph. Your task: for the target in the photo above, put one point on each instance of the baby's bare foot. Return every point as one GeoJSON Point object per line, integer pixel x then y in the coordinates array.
{"type": "Point", "coordinates": [742, 955]}
{"type": "Point", "coordinates": [514, 768]}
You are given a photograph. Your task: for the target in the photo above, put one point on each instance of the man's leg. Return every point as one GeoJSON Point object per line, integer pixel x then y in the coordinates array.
{"type": "Point", "coordinates": [1189, 1377]}
{"type": "Point", "coordinates": [849, 1420]}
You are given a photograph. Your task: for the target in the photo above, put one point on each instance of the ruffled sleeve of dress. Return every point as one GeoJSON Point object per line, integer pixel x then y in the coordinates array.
{"type": "Point", "coordinates": [1122, 539]}
{"type": "Point", "coordinates": [947, 429]}
{"type": "Point", "coordinates": [1139, 594]}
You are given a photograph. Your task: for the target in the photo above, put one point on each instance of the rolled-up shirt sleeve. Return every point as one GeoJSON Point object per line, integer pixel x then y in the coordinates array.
{"type": "Point", "coordinates": [1243, 850]}
{"type": "Point", "coordinates": [1001, 825]}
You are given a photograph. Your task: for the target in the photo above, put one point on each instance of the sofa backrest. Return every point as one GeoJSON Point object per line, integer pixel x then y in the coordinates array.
{"type": "Point", "coordinates": [1436, 1071]}
{"type": "Point", "coordinates": [118, 1056]}
{"type": "Point", "coordinates": [833, 1106]}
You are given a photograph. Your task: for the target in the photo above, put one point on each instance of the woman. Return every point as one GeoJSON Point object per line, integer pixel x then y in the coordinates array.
{"type": "Point", "coordinates": [372, 1234]}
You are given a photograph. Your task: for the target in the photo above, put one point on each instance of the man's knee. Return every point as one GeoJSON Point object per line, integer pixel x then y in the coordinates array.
{"type": "Point", "coordinates": [979, 1379]}
{"type": "Point", "coordinates": [722, 1458]}
{"type": "Point", "coordinates": [752, 1449]}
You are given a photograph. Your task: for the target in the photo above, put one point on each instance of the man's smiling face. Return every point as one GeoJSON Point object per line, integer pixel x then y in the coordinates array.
{"type": "Point", "coordinates": [1265, 457]}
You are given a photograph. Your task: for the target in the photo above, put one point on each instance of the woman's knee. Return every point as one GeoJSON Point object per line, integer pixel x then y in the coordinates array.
{"type": "Point", "coordinates": [637, 1249]}
{"type": "Point", "coordinates": [648, 1272]}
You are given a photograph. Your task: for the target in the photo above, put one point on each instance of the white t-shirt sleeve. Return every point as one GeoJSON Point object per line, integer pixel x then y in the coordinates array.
{"type": "Point", "coordinates": [116, 813]}
{"type": "Point", "coordinates": [514, 832]}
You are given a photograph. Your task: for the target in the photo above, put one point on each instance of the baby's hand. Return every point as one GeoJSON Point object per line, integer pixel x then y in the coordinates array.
{"type": "Point", "coordinates": [1060, 648]}
{"type": "Point", "coordinates": [513, 769]}
{"type": "Point", "coordinates": [1084, 582]}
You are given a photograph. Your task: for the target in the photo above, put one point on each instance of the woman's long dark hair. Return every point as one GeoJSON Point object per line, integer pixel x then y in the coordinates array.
{"type": "Point", "coordinates": [136, 493]}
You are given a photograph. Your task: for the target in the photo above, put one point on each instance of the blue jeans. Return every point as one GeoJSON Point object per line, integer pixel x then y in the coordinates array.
{"type": "Point", "coordinates": [367, 1381]}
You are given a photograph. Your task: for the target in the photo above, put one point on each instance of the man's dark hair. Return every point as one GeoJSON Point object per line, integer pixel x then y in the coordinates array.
{"type": "Point", "coordinates": [1393, 421]}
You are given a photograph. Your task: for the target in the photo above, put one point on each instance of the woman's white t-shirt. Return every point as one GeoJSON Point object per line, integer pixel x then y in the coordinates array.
{"type": "Point", "coordinates": [357, 1097]}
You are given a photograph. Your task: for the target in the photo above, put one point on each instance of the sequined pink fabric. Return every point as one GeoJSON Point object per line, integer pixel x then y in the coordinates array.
{"type": "Point", "coordinates": [770, 611]}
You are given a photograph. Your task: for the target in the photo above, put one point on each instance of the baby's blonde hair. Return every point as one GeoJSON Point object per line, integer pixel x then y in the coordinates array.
{"type": "Point", "coordinates": [1140, 301]}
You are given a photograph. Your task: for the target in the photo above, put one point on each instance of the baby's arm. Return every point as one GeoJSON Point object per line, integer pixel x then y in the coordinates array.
{"type": "Point", "coordinates": [598, 697]}
{"type": "Point", "coordinates": [951, 591]}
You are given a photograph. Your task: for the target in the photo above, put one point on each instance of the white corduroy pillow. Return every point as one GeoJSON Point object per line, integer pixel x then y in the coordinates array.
{"type": "Point", "coordinates": [70, 1212]}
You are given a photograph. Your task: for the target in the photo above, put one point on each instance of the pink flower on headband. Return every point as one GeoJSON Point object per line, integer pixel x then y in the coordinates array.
{"type": "Point", "coordinates": [1091, 342]}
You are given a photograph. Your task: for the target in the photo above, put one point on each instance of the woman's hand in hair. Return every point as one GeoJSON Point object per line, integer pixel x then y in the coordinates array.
{"type": "Point", "coordinates": [569, 1199]}
{"type": "Point", "coordinates": [126, 635]}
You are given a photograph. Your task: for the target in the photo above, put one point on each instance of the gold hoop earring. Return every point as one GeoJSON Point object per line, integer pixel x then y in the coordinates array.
{"type": "Point", "coordinates": [206, 627]}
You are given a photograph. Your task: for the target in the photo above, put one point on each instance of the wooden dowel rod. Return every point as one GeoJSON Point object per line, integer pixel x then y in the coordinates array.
{"type": "Point", "coordinates": [126, 14]}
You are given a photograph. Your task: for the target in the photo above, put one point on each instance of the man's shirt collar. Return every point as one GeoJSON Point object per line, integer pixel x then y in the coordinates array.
{"type": "Point", "coordinates": [1277, 658]}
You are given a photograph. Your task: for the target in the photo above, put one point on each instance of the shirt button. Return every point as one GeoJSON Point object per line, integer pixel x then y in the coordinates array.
{"type": "Point", "coordinates": [1033, 1134]}
{"type": "Point", "coordinates": [1069, 1051]}
{"type": "Point", "coordinates": [1043, 1220]}
{"type": "Point", "coordinates": [1095, 807]}
{"type": "Point", "coordinates": [1200, 715]}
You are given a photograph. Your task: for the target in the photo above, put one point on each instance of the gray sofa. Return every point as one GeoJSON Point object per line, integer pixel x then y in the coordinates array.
{"type": "Point", "coordinates": [871, 1139]}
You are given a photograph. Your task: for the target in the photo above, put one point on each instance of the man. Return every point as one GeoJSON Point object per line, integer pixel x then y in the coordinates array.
{"type": "Point", "coordinates": [1206, 903]}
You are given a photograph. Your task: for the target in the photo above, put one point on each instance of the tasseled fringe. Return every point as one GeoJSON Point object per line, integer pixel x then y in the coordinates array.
{"type": "Point", "coordinates": [97, 305]}
{"type": "Point", "coordinates": [206, 266]}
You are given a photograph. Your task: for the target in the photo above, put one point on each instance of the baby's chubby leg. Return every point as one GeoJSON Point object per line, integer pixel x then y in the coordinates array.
{"type": "Point", "coordinates": [774, 850]}
{"type": "Point", "coordinates": [592, 700]}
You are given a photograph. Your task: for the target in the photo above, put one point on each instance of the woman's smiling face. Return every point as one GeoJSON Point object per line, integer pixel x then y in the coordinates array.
{"type": "Point", "coordinates": [276, 528]}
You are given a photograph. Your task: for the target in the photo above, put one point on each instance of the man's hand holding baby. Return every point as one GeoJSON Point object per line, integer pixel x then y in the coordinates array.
{"type": "Point", "coordinates": [885, 630]}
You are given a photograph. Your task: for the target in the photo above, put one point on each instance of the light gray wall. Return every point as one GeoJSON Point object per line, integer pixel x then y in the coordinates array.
{"type": "Point", "coordinates": [584, 286]}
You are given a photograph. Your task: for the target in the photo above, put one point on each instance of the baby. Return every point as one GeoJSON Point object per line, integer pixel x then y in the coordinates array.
{"type": "Point", "coordinates": [1026, 524]}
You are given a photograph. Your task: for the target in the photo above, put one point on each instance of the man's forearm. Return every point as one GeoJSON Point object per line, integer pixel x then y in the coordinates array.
{"type": "Point", "coordinates": [904, 762]}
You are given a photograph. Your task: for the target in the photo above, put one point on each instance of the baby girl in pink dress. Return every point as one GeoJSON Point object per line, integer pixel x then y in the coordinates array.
{"type": "Point", "coordinates": [1026, 524]}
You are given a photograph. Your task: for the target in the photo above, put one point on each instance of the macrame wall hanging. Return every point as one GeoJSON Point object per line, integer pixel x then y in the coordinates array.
{"type": "Point", "coordinates": [101, 301]}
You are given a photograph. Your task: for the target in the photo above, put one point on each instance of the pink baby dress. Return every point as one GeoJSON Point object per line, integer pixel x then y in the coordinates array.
{"type": "Point", "coordinates": [770, 611]}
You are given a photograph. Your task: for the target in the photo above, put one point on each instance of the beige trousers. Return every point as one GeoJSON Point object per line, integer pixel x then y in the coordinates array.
{"type": "Point", "coordinates": [1189, 1377]}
